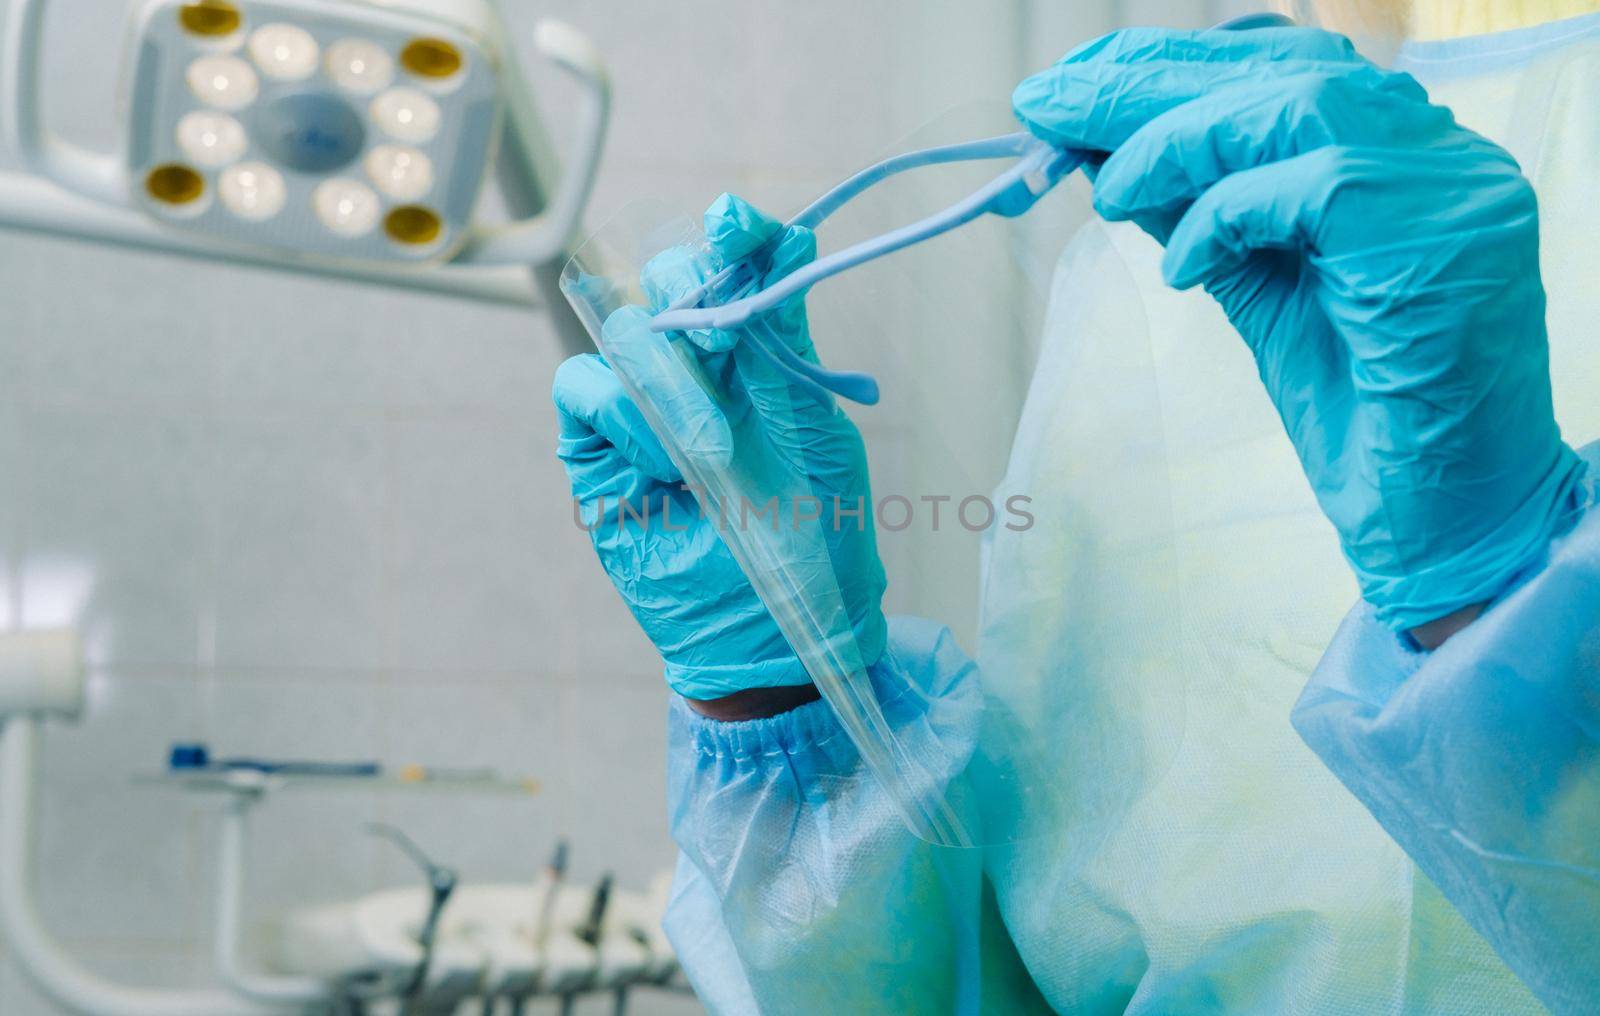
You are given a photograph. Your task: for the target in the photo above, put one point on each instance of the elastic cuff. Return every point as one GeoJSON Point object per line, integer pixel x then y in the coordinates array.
{"type": "Point", "coordinates": [921, 667]}
{"type": "Point", "coordinates": [799, 730]}
{"type": "Point", "coordinates": [804, 728]}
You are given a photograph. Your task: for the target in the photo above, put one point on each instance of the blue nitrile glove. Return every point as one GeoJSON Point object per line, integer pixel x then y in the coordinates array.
{"type": "Point", "coordinates": [1382, 263]}
{"type": "Point", "coordinates": [675, 572]}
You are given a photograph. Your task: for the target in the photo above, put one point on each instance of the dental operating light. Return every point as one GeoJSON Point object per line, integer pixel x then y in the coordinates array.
{"type": "Point", "coordinates": [335, 136]}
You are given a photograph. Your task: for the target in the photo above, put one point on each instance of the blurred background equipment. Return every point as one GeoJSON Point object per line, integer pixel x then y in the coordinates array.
{"type": "Point", "coordinates": [422, 949]}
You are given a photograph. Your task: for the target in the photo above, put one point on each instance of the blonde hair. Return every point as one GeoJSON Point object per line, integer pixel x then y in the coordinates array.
{"type": "Point", "coordinates": [1380, 17]}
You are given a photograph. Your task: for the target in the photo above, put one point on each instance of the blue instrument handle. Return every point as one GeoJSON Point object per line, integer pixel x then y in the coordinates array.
{"type": "Point", "coordinates": [1038, 168]}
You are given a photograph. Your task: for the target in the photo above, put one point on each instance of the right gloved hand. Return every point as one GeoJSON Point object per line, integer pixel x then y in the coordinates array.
{"type": "Point", "coordinates": [674, 571]}
{"type": "Point", "coordinates": [1382, 263]}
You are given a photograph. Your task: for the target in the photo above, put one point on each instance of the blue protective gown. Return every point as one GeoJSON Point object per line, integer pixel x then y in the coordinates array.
{"type": "Point", "coordinates": [1275, 806]}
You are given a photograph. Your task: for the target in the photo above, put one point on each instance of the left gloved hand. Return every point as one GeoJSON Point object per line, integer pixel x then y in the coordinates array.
{"type": "Point", "coordinates": [667, 559]}
{"type": "Point", "coordinates": [1382, 263]}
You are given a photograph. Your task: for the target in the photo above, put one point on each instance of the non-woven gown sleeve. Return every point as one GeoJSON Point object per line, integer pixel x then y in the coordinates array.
{"type": "Point", "coordinates": [801, 889]}
{"type": "Point", "coordinates": [1482, 759]}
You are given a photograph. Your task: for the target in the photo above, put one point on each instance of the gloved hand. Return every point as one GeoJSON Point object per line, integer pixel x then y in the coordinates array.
{"type": "Point", "coordinates": [672, 568]}
{"type": "Point", "coordinates": [1382, 263]}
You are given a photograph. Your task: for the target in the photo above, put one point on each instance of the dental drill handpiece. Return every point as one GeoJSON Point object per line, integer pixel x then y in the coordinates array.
{"type": "Point", "coordinates": [441, 886]}
{"type": "Point", "coordinates": [555, 873]}
{"type": "Point", "coordinates": [591, 929]}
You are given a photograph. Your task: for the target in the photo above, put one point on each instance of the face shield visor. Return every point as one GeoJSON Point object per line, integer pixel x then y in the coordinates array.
{"type": "Point", "coordinates": [812, 492]}
{"type": "Point", "coordinates": [1377, 27]}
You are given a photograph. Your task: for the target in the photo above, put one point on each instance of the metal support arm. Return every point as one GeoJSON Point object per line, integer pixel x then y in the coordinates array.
{"type": "Point", "coordinates": [56, 973]}
{"type": "Point", "coordinates": [548, 236]}
{"type": "Point", "coordinates": [303, 991]}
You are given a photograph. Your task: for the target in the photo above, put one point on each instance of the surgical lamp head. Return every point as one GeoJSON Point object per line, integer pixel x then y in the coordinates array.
{"type": "Point", "coordinates": [333, 129]}
{"type": "Point", "coordinates": [322, 131]}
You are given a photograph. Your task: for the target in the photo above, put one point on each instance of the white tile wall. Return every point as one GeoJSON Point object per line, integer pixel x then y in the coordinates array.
{"type": "Point", "coordinates": [111, 534]}
{"type": "Point", "coordinates": [472, 576]}
{"type": "Point", "coordinates": [13, 319]}
{"type": "Point", "coordinates": [300, 518]}
{"type": "Point", "coordinates": [123, 330]}
{"type": "Point", "coordinates": [300, 515]}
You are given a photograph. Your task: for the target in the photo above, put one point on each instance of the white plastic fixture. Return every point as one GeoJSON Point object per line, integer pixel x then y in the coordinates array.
{"type": "Point", "coordinates": [490, 938]}
{"type": "Point", "coordinates": [41, 672]}
{"type": "Point", "coordinates": [240, 111]}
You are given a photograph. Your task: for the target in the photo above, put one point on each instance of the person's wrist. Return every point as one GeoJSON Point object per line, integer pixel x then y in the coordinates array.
{"type": "Point", "coordinates": [755, 703]}
{"type": "Point", "coordinates": [1436, 633]}
{"type": "Point", "coordinates": [790, 690]}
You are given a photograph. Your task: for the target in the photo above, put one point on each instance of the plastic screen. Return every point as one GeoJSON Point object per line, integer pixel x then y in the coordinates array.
{"type": "Point", "coordinates": [953, 329]}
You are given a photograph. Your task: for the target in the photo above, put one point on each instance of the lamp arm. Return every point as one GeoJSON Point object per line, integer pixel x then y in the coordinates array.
{"type": "Point", "coordinates": [97, 175]}
{"type": "Point", "coordinates": [548, 236]}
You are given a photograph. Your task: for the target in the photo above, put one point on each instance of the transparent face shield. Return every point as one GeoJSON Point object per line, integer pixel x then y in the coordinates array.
{"type": "Point", "coordinates": [941, 338]}
{"type": "Point", "coordinates": [1377, 27]}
